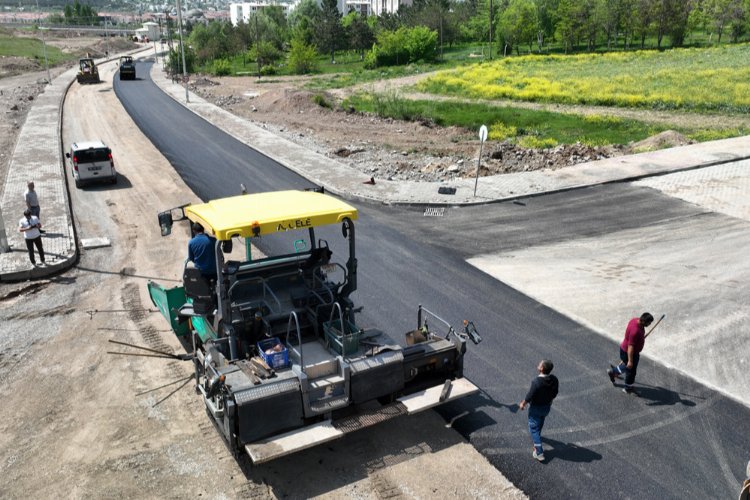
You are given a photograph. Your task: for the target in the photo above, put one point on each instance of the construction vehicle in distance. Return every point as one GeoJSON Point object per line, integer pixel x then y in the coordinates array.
{"type": "Point", "coordinates": [87, 71]}
{"type": "Point", "coordinates": [127, 68]}
{"type": "Point", "coordinates": [280, 360]}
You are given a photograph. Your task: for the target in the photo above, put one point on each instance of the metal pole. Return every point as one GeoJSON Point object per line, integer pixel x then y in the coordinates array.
{"type": "Point", "coordinates": [44, 49]}
{"type": "Point", "coordinates": [182, 49]}
{"type": "Point", "coordinates": [44, 42]}
{"type": "Point", "coordinates": [106, 35]}
{"type": "Point", "coordinates": [479, 160]}
{"type": "Point", "coordinates": [483, 131]}
{"type": "Point", "coordinates": [490, 47]}
{"type": "Point", "coordinates": [257, 42]}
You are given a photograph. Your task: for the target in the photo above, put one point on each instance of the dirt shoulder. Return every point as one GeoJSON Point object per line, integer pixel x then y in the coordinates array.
{"type": "Point", "coordinates": [381, 148]}
{"type": "Point", "coordinates": [418, 151]}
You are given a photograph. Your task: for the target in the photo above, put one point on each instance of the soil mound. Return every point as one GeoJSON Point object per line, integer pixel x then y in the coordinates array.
{"type": "Point", "coordinates": [289, 100]}
{"type": "Point", "coordinates": [663, 140]}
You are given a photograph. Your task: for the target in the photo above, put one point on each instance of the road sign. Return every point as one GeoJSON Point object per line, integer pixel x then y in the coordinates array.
{"type": "Point", "coordinates": [482, 138]}
{"type": "Point", "coordinates": [483, 133]}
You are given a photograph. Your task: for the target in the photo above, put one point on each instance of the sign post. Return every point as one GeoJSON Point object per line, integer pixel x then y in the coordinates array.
{"type": "Point", "coordinates": [482, 138]}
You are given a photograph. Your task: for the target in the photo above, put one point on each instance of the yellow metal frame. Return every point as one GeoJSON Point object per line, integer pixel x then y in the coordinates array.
{"type": "Point", "coordinates": [251, 215]}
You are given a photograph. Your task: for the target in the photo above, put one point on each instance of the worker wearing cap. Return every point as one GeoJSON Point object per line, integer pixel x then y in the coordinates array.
{"type": "Point", "coordinates": [31, 229]}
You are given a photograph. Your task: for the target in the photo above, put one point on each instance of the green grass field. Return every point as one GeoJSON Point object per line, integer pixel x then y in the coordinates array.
{"type": "Point", "coordinates": [32, 48]}
{"type": "Point", "coordinates": [528, 128]}
{"type": "Point", "coordinates": [703, 80]}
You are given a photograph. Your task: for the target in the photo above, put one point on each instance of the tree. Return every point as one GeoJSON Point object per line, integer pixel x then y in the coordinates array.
{"type": "Point", "coordinates": [568, 26]}
{"type": "Point", "coordinates": [519, 23]}
{"type": "Point", "coordinates": [723, 15]}
{"type": "Point", "coordinates": [80, 14]}
{"type": "Point", "coordinates": [329, 33]}
{"type": "Point", "coordinates": [671, 17]}
{"type": "Point", "coordinates": [265, 53]}
{"type": "Point", "coordinates": [644, 18]}
{"type": "Point", "coordinates": [301, 21]}
{"type": "Point", "coordinates": [359, 33]}
{"type": "Point", "coordinates": [274, 25]}
{"type": "Point", "coordinates": [211, 41]}
{"type": "Point", "coordinates": [478, 26]}
{"type": "Point", "coordinates": [302, 57]}
{"type": "Point", "coordinates": [609, 14]}
{"type": "Point", "coordinates": [431, 14]}
{"type": "Point", "coordinates": [547, 15]}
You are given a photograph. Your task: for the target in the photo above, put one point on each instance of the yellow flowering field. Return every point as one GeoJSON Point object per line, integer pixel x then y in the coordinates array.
{"type": "Point", "coordinates": [713, 79]}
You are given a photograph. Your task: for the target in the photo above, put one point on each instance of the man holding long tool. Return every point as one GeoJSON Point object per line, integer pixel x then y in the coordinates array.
{"type": "Point", "coordinates": [630, 351]}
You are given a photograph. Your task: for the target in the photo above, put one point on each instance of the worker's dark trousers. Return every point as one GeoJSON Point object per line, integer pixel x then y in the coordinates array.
{"type": "Point", "coordinates": [30, 245]}
{"type": "Point", "coordinates": [623, 367]}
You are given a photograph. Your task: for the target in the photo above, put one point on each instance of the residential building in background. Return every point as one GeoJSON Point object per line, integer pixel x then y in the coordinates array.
{"type": "Point", "coordinates": [243, 11]}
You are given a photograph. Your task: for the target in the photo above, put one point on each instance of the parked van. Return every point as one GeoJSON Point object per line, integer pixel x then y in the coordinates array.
{"type": "Point", "coordinates": [90, 162]}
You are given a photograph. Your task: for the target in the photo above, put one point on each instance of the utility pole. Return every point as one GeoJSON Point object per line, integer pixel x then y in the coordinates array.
{"type": "Point", "coordinates": [44, 49]}
{"type": "Point", "coordinates": [182, 49]}
{"type": "Point", "coordinates": [257, 44]}
{"type": "Point", "coordinates": [490, 48]}
{"type": "Point", "coordinates": [106, 35]}
{"type": "Point", "coordinates": [44, 43]}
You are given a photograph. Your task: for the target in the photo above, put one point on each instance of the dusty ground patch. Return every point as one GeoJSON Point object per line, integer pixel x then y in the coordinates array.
{"type": "Point", "coordinates": [382, 148]}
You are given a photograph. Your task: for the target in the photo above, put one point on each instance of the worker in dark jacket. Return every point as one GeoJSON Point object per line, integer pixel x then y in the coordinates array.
{"type": "Point", "coordinates": [539, 400]}
{"type": "Point", "coordinates": [202, 252]}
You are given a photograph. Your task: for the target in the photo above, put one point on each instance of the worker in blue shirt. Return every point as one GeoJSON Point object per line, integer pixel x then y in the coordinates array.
{"type": "Point", "coordinates": [202, 252]}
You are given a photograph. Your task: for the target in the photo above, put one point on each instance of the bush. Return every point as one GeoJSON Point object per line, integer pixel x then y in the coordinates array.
{"type": "Point", "coordinates": [500, 131]}
{"type": "Point", "coordinates": [403, 46]}
{"type": "Point", "coordinates": [302, 58]}
{"type": "Point", "coordinates": [534, 142]}
{"type": "Point", "coordinates": [221, 67]}
{"type": "Point", "coordinates": [321, 101]}
{"type": "Point", "coordinates": [268, 70]}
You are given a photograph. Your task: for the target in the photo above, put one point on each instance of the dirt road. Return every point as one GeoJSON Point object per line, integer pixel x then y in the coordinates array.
{"type": "Point", "coordinates": [78, 422]}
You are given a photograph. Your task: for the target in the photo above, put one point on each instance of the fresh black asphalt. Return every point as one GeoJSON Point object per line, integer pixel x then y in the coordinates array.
{"type": "Point", "coordinates": [679, 438]}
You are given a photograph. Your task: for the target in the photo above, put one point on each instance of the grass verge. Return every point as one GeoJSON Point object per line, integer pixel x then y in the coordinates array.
{"type": "Point", "coordinates": [528, 128]}
{"type": "Point", "coordinates": [31, 48]}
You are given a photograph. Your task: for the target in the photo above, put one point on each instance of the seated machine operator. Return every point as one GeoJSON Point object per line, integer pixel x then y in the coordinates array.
{"type": "Point", "coordinates": [202, 252]}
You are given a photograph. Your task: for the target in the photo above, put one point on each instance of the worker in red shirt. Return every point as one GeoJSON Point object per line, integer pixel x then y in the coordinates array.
{"type": "Point", "coordinates": [630, 350]}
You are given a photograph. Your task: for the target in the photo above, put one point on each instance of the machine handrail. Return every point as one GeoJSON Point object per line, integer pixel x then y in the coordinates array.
{"type": "Point", "coordinates": [336, 305]}
{"type": "Point", "coordinates": [293, 314]}
{"type": "Point", "coordinates": [262, 280]}
{"type": "Point", "coordinates": [424, 309]}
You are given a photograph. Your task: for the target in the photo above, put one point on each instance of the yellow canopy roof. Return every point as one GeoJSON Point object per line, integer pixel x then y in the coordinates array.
{"type": "Point", "coordinates": [268, 213]}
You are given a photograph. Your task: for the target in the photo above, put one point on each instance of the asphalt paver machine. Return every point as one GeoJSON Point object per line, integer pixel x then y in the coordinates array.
{"type": "Point", "coordinates": [280, 358]}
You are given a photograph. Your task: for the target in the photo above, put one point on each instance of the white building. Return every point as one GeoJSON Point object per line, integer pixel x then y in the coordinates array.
{"type": "Point", "coordinates": [243, 11]}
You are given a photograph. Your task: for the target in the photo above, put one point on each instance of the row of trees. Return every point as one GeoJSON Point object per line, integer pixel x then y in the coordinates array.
{"type": "Point", "coordinates": [420, 31]}
{"type": "Point", "coordinates": [76, 14]}
{"type": "Point", "coordinates": [625, 23]}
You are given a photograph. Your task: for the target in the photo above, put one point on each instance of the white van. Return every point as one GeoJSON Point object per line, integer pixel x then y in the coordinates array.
{"type": "Point", "coordinates": [91, 161]}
